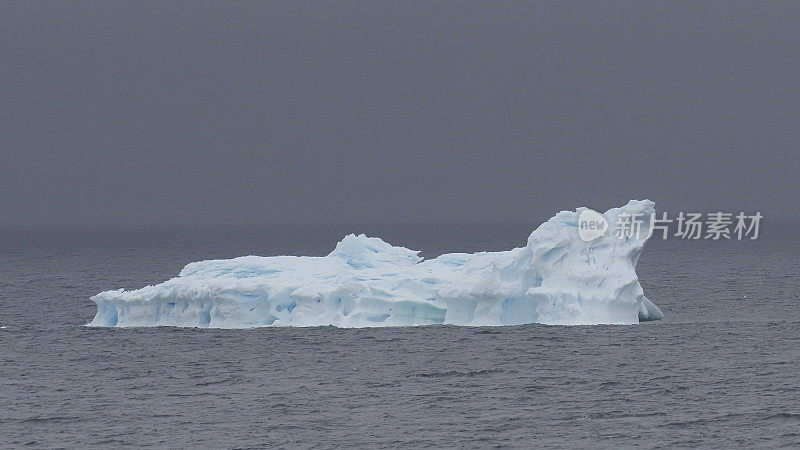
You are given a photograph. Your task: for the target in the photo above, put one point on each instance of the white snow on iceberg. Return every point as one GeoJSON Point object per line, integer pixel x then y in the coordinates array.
{"type": "Point", "coordinates": [557, 278]}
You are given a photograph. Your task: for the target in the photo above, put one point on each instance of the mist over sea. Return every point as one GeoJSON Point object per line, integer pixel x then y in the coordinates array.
{"type": "Point", "coordinates": [721, 369]}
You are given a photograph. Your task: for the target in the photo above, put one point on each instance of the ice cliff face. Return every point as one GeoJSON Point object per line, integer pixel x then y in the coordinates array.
{"type": "Point", "coordinates": [557, 278]}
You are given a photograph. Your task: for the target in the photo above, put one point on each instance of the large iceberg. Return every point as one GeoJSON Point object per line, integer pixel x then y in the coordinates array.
{"type": "Point", "coordinates": [559, 277]}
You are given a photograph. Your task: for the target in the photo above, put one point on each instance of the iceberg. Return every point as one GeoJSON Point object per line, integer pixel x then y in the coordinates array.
{"type": "Point", "coordinates": [560, 277]}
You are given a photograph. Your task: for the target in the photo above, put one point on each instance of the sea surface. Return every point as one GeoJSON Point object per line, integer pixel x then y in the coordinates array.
{"type": "Point", "coordinates": [721, 370]}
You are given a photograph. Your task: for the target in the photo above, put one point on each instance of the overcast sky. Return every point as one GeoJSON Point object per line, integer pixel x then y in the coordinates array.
{"type": "Point", "coordinates": [259, 112]}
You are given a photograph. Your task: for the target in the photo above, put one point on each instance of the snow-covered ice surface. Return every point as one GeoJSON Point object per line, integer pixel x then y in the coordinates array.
{"type": "Point", "coordinates": [557, 278]}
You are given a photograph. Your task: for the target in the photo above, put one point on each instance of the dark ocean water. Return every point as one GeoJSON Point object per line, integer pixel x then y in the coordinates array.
{"type": "Point", "coordinates": [722, 369]}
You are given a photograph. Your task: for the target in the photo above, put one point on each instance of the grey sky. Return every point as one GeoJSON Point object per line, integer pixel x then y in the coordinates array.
{"type": "Point", "coordinates": [260, 112]}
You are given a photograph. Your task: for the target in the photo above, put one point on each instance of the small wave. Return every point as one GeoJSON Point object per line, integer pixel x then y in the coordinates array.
{"type": "Point", "coordinates": [229, 380]}
{"type": "Point", "coordinates": [704, 421]}
{"type": "Point", "coordinates": [616, 415]}
{"type": "Point", "coordinates": [455, 373]}
{"type": "Point", "coordinates": [783, 415]}
{"type": "Point", "coordinates": [487, 331]}
{"type": "Point", "coordinates": [50, 419]}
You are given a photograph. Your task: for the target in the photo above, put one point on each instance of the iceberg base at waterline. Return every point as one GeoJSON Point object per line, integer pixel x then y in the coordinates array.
{"type": "Point", "coordinates": [558, 278]}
